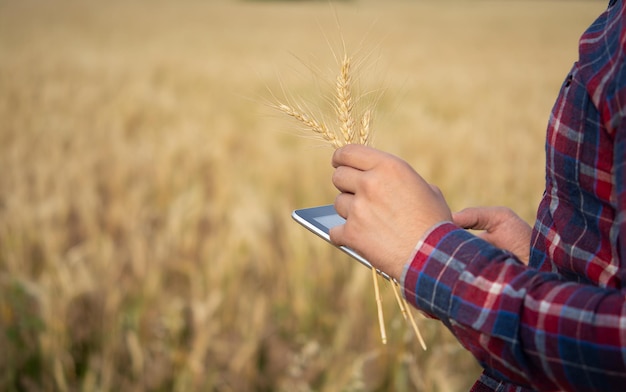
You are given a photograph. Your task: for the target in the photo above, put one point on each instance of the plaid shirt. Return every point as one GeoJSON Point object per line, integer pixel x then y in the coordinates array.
{"type": "Point", "coordinates": [559, 324]}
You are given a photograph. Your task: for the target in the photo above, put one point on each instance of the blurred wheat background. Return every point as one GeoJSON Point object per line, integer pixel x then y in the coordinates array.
{"type": "Point", "coordinates": [146, 185]}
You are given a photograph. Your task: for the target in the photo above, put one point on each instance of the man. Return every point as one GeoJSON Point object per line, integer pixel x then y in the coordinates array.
{"type": "Point", "coordinates": [558, 323]}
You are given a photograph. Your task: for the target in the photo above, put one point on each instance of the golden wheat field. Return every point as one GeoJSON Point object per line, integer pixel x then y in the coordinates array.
{"type": "Point", "coordinates": [146, 182]}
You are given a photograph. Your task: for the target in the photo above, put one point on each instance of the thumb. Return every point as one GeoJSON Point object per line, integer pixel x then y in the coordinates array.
{"type": "Point", "coordinates": [475, 218]}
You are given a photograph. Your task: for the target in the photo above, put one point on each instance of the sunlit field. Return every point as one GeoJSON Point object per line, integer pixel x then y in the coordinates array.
{"type": "Point", "coordinates": [146, 183]}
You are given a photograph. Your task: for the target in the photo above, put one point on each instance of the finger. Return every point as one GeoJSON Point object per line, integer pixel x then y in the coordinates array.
{"type": "Point", "coordinates": [356, 156]}
{"type": "Point", "coordinates": [436, 190]}
{"type": "Point", "coordinates": [343, 201]}
{"type": "Point", "coordinates": [474, 218]}
{"type": "Point", "coordinates": [345, 179]}
{"type": "Point", "coordinates": [336, 234]}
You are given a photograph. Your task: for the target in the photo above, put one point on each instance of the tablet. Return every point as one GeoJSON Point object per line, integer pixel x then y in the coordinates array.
{"type": "Point", "coordinates": [320, 220]}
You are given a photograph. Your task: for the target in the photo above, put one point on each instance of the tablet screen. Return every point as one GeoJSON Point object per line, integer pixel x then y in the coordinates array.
{"type": "Point", "coordinates": [330, 221]}
{"type": "Point", "coordinates": [320, 220]}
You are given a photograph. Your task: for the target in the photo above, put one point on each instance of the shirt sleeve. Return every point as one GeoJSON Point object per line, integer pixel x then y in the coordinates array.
{"type": "Point", "coordinates": [561, 324]}
{"type": "Point", "coordinates": [518, 321]}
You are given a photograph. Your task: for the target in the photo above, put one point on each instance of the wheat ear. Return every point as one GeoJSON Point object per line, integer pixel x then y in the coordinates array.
{"type": "Point", "coordinates": [312, 124]}
{"type": "Point", "coordinates": [364, 131]}
{"type": "Point", "coordinates": [344, 105]}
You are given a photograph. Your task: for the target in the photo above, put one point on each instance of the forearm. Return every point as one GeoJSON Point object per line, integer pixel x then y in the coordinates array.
{"type": "Point", "coordinates": [515, 320]}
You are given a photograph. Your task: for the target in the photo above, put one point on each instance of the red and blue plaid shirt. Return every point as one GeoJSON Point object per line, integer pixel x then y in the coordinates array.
{"type": "Point", "coordinates": [560, 323]}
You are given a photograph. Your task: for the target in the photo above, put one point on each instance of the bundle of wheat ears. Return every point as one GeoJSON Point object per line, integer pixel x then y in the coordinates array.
{"type": "Point", "coordinates": [350, 131]}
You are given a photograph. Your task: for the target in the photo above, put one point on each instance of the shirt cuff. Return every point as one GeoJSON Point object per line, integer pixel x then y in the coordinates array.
{"type": "Point", "coordinates": [426, 281]}
{"type": "Point", "coordinates": [415, 264]}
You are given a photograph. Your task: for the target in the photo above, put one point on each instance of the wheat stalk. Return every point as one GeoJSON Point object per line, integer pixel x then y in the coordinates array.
{"type": "Point", "coordinates": [379, 303]}
{"type": "Point", "coordinates": [343, 105]}
{"type": "Point", "coordinates": [406, 313]}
